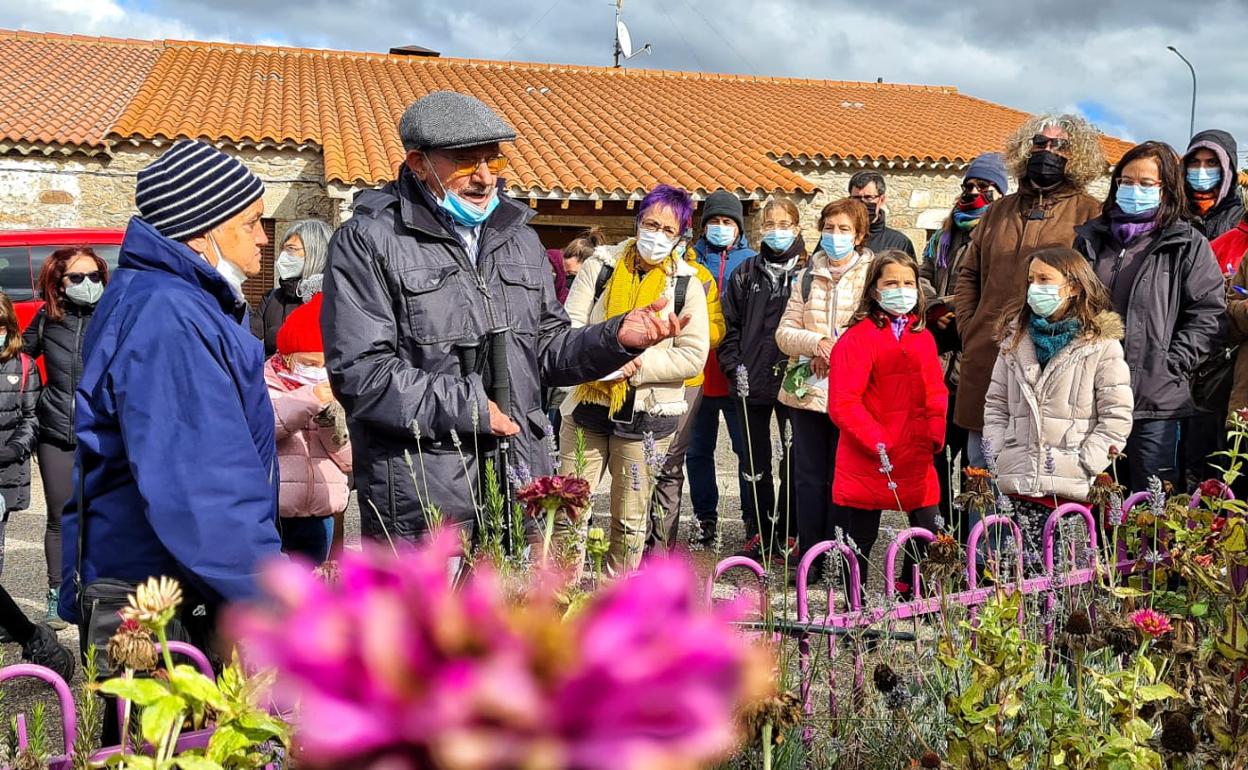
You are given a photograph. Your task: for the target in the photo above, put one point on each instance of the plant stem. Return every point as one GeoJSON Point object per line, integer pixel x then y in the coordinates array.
{"type": "Point", "coordinates": [767, 728]}
{"type": "Point", "coordinates": [549, 532]}
{"type": "Point", "coordinates": [164, 648]}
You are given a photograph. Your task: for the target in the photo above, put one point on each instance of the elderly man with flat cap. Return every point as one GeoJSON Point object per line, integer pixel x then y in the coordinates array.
{"type": "Point", "coordinates": [429, 277]}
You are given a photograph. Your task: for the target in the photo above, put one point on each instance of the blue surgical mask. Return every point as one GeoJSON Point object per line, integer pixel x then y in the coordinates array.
{"type": "Point", "coordinates": [1044, 298]}
{"type": "Point", "coordinates": [1134, 199]}
{"type": "Point", "coordinates": [1204, 179]}
{"type": "Point", "coordinates": [899, 301]}
{"type": "Point", "coordinates": [837, 245]}
{"type": "Point", "coordinates": [463, 212]}
{"type": "Point", "coordinates": [721, 235]}
{"type": "Point", "coordinates": [779, 241]}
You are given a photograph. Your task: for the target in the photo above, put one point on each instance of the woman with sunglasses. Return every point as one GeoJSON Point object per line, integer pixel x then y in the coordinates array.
{"type": "Point", "coordinates": [1055, 158]}
{"type": "Point", "coordinates": [70, 283]}
{"type": "Point", "coordinates": [1168, 288]}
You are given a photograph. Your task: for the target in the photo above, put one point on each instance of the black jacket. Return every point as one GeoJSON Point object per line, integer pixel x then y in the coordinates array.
{"type": "Point", "coordinates": [753, 302]}
{"type": "Point", "coordinates": [276, 305]}
{"type": "Point", "coordinates": [942, 282]}
{"type": "Point", "coordinates": [60, 344]}
{"type": "Point", "coordinates": [401, 295]}
{"type": "Point", "coordinates": [18, 426]}
{"type": "Point", "coordinates": [1229, 209]}
{"type": "Point", "coordinates": [882, 238]}
{"type": "Point", "coordinates": [1174, 315]}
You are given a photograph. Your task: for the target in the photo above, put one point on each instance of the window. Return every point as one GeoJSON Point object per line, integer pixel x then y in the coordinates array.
{"type": "Point", "coordinates": [15, 278]}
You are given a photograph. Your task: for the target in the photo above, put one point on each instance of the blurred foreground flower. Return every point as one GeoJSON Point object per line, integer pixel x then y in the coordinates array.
{"type": "Point", "coordinates": [393, 668]}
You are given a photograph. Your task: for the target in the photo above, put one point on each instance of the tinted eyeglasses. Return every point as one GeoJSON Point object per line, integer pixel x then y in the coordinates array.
{"type": "Point", "coordinates": [973, 186]}
{"type": "Point", "coordinates": [77, 278]}
{"type": "Point", "coordinates": [1042, 142]}
{"type": "Point", "coordinates": [467, 165]}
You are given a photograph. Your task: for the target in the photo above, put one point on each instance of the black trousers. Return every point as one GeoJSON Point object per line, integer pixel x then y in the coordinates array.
{"type": "Point", "coordinates": [950, 462]}
{"type": "Point", "coordinates": [814, 461]}
{"type": "Point", "coordinates": [774, 513]}
{"type": "Point", "coordinates": [863, 526]}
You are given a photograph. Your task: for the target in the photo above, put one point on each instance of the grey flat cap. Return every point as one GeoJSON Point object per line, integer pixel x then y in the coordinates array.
{"type": "Point", "coordinates": [446, 120]}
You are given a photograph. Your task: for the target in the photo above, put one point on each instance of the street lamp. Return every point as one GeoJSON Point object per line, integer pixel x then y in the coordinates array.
{"type": "Point", "coordinates": [1192, 124]}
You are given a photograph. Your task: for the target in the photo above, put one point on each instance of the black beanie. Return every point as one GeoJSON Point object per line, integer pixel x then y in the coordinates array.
{"type": "Point", "coordinates": [722, 203]}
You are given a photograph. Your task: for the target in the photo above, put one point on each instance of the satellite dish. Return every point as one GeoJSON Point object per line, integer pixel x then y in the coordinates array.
{"type": "Point", "coordinates": [624, 40]}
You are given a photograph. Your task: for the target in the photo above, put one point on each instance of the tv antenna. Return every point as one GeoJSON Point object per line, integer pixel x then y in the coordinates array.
{"type": "Point", "coordinates": [623, 48]}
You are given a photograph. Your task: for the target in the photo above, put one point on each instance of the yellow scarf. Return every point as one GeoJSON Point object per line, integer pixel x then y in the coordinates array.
{"type": "Point", "coordinates": [627, 290]}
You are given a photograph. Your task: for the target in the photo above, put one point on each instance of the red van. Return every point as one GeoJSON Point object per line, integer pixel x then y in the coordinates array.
{"type": "Point", "coordinates": [22, 253]}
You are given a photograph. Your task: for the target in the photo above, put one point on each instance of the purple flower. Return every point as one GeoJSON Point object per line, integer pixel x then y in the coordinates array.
{"type": "Point", "coordinates": [743, 381]}
{"type": "Point", "coordinates": [1050, 464]}
{"type": "Point", "coordinates": [892, 485]}
{"type": "Point", "coordinates": [650, 452]}
{"type": "Point", "coordinates": [1156, 498]}
{"type": "Point", "coordinates": [885, 465]}
{"type": "Point", "coordinates": [395, 663]}
{"type": "Point", "coordinates": [990, 457]}
{"type": "Point", "coordinates": [634, 475]}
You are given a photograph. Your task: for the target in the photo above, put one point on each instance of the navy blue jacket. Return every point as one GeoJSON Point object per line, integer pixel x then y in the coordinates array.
{"type": "Point", "coordinates": [175, 431]}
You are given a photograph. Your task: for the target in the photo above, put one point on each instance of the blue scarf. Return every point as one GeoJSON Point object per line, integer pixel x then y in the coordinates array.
{"type": "Point", "coordinates": [1050, 337]}
{"type": "Point", "coordinates": [938, 247]}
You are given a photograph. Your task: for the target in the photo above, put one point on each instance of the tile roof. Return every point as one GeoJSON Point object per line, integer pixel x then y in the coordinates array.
{"type": "Point", "coordinates": [64, 92]}
{"type": "Point", "coordinates": [582, 130]}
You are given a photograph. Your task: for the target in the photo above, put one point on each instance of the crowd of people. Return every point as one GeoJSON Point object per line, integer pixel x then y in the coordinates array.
{"type": "Point", "coordinates": [1042, 332]}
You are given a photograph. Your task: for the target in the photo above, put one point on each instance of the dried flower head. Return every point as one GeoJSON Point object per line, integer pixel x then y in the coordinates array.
{"type": "Point", "coordinates": [1151, 622]}
{"type": "Point", "coordinates": [885, 679]}
{"type": "Point", "coordinates": [886, 466]}
{"type": "Point", "coordinates": [327, 571]}
{"type": "Point", "coordinates": [1078, 623]}
{"type": "Point", "coordinates": [132, 647]}
{"type": "Point", "coordinates": [782, 711]}
{"type": "Point", "coordinates": [929, 759]}
{"type": "Point", "coordinates": [1176, 731]}
{"type": "Point", "coordinates": [154, 602]}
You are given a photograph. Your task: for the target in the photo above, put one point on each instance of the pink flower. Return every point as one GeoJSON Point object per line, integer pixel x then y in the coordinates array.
{"type": "Point", "coordinates": [1152, 623]}
{"type": "Point", "coordinates": [1204, 560]}
{"type": "Point", "coordinates": [568, 495]}
{"type": "Point", "coordinates": [392, 664]}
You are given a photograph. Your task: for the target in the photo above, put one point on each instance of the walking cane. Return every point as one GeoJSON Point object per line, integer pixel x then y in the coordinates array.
{"type": "Point", "coordinates": [500, 386]}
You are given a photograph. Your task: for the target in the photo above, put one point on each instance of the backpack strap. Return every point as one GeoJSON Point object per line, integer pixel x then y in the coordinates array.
{"type": "Point", "coordinates": [808, 280]}
{"type": "Point", "coordinates": [600, 283]}
{"type": "Point", "coordinates": [25, 369]}
{"type": "Point", "coordinates": [682, 291]}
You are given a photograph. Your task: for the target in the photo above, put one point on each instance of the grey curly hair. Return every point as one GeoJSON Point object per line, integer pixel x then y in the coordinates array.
{"type": "Point", "coordinates": [1085, 164]}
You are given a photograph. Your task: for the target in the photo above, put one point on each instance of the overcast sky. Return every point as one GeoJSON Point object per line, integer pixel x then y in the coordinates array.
{"type": "Point", "coordinates": [1104, 58]}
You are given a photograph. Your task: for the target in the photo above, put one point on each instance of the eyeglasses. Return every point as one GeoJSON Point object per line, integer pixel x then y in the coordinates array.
{"type": "Point", "coordinates": [77, 278]}
{"type": "Point", "coordinates": [866, 198]}
{"type": "Point", "coordinates": [467, 166]}
{"type": "Point", "coordinates": [1042, 142]}
{"type": "Point", "coordinates": [786, 225]}
{"type": "Point", "coordinates": [978, 186]}
{"type": "Point", "coordinates": [651, 226]}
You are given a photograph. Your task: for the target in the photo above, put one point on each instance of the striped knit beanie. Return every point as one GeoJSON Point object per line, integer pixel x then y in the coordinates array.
{"type": "Point", "coordinates": [192, 188]}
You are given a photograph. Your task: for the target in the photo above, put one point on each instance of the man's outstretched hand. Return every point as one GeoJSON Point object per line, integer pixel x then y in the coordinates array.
{"type": "Point", "coordinates": [645, 326]}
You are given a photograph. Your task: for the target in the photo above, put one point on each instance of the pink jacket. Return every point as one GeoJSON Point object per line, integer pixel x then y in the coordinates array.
{"type": "Point", "coordinates": [312, 465]}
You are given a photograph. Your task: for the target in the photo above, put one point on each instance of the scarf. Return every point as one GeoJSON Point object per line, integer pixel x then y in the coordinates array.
{"type": "Point", "coordinates": [1128, 227]}
{"type": "Point", "coordinates": [776, 264]}
{"type": "Point", "coordinates": [627, 290]}
{"type": "Point", "coordinates": [899, 324]}
{"type": "Point", "coordinates": [1050, 337]}
{"type": "Point", "coordinates": [837, 272]}
{"type": "Point", "coordinates": [938, 248]}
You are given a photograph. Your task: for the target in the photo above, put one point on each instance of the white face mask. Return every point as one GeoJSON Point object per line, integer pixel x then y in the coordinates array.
{"type": "Point", "coordinates": [86, 293]}
{"type": "Point", "coordinates": [232, 273]}
{"type": "Point", "coordinates": [309, 375]}
{"type": "Point", "coordinates": [654, 247]}
{"type": "Point", "coordinates": [288, 266]}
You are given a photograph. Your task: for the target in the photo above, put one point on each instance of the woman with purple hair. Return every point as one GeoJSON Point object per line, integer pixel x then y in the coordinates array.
{"type": "Point", "coordinates": [628, 418]}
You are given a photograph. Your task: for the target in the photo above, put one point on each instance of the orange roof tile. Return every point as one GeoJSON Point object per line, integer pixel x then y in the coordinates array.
{"type": "Point", "coordinates": [582, 130]}
{"type": "Point", "coordinates": [66, 91]}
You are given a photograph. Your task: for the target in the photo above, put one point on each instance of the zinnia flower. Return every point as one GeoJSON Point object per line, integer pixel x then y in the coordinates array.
{"type": "Point", "coordinates": [393, 664]}
{"type": "Point", "coordinates": [154, 602]}
{"type": "Point", "coordinates": [131, 647]}
{"type": "Point", "coordinates": [1151, 623]}
{"type": "Point", "coordinates": [567, 495]}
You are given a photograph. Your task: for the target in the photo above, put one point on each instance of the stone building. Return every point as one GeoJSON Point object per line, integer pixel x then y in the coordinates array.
{"type": "Point", "coordinates": [80, 115]}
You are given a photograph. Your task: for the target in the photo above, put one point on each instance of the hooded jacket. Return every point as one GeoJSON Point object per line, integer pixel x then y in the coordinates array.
{"type": "Point", "coordinates": [280, 302]}
{"type": "Point", "coordinates": [402, 295]}
{"type": "Point", "coordinates": [60, 344]}
{"type": "Point", "coordinates": [19, 391]}
{"type": "Point", "coordinates": [1053, 426]}
{"type": "Point", "coordinates": [1228, 211]}
{"type": "Point", "coordinates": [1173, 317]}
{"type": "Point", "coordinates": [994, 272]}
{"type": "Point", "coordinates": [888, 392]}
{"type": "Point", "coordinates": [721, 264]}
{"type": "Point", "coordinates": [313, 456]}
{"type": "Point", "coordinates": [175, 431]}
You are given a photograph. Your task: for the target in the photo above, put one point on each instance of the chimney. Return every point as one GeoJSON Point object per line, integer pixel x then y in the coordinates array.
{"type": "Point", "coordinates": [413, 50]}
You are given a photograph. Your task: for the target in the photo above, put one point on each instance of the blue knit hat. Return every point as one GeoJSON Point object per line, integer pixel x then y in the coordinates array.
{"type": "Point", "coordinates": [989, 167]}
{"type": "Point", "coordinates": [192, 188]}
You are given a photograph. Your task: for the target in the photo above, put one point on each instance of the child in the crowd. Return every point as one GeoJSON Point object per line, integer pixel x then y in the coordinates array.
{"type": "Point", "coordinates": [1060, 395]}
{"type": "Point", "coordinates": [889, 402]}
{"type": "Point", "coordinates": [313, 450]}
{"type": "Point", "coordinates": [19, 396]}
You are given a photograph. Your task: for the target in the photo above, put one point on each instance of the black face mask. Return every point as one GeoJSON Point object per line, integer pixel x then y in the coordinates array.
{"type": "Point", "coordinates": [873, 209]}
{"type": "Point", "coordinates": [1046, 169]}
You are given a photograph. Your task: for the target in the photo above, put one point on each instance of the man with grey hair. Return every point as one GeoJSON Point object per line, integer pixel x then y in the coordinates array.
{"type": "Point", "coordinates": [436, 273]}
{"type": "Point", "coordinates": [869, 189]}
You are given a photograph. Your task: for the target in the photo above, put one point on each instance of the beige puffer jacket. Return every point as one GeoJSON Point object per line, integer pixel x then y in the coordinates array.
{"type": "Point", "coordinates": [1073, 410]}
{"type": "Point", "coordinates": [825, 315]}
{"type": "Point", "coordinates": [660, 382]}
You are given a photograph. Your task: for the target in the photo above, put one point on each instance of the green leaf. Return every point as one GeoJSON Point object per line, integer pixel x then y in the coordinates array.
{"type": "Point", "coordinates": [262, 722]}
{"type": "Point", "coordinates": [1232, 643]}
{"type": "Point", "coordinates": [142, 692]}
{"type": "Point", "coordinates": [1198, 610]}
{"type": "Point", "coordinates": [1159, 691]}
{"type": "Point", "coordinates": [1139, 730]}
{"type": "Point", "coordinates": [1123, 592]}
{"type": "Point", "coordinates": [193, 762]}
{"type": "Point", "coordinates": [225, 743]}
{"type": "Point", "coordinates": [158, 719]}
{"type": "Point", "coordinates": [190, 682]}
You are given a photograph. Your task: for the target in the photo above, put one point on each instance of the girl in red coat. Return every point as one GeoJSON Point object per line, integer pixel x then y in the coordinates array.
{"type": "Point", "coordinates": [889, 403]}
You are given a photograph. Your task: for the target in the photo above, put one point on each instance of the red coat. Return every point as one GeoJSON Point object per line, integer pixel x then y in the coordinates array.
{"type": "Point", "coordinates": [891, 392]}
{"type": "Point", "coordinates": [1229, 248]}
